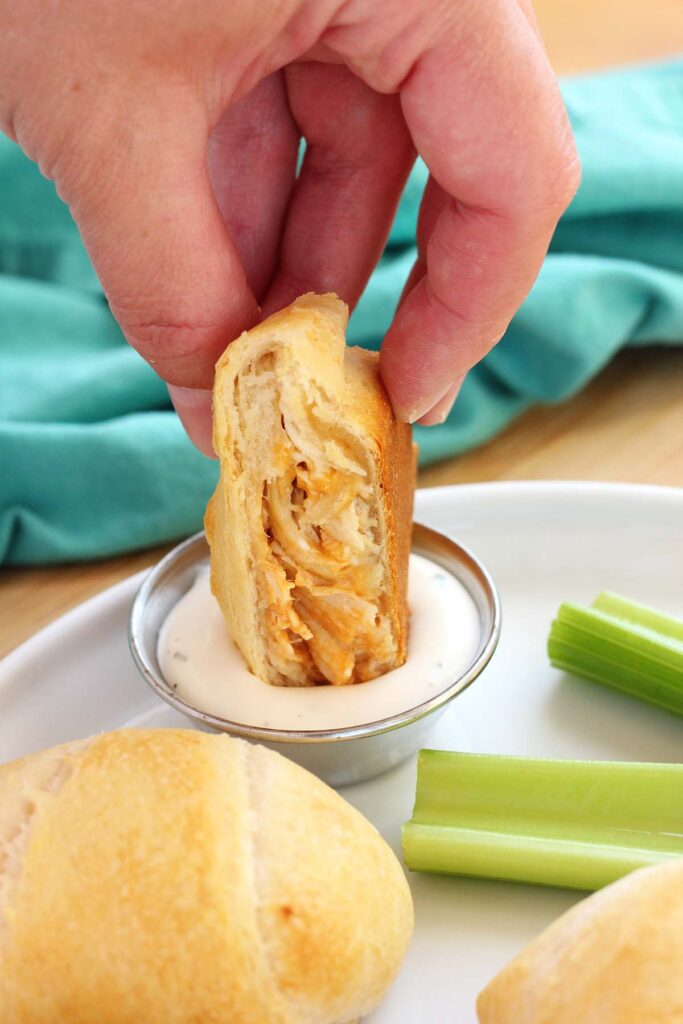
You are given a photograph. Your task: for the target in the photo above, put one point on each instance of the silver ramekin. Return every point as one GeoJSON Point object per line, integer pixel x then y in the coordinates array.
{"type": "Point", "coordinates": [339, 756]}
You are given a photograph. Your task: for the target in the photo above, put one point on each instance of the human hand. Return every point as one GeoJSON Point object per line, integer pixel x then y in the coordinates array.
{"type": "Point", "coordinates": [172, 133]}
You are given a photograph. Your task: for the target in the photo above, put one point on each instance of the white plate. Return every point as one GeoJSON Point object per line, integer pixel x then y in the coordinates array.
{"type": "Point", "coordinates": [544, 543]}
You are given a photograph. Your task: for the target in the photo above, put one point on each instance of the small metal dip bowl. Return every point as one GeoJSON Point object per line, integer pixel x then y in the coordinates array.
{"type": "Point", "coordinates": [339, 756]}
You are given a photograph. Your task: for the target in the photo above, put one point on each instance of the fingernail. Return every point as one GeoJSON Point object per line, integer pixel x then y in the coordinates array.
{"type": "Point", "coordinates": [415, 413]}
{"type": "Point", "coordinates": [440, 410]}
{"type": "Point", "coordinates": [426, 405]}
{"type": "Point", "coordinates": [193, 406]}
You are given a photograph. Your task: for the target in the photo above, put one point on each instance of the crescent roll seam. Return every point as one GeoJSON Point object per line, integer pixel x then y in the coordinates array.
{"type": "Point", "coordinates": [253, 827]}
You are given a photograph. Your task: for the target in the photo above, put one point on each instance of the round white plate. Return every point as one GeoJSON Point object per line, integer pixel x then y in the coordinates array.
{"type": "Point", "coordinates": [544, 543]}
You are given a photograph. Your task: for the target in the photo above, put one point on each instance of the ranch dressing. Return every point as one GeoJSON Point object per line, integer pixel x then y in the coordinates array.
{"type": "Point", "coordinates": [201, 662]}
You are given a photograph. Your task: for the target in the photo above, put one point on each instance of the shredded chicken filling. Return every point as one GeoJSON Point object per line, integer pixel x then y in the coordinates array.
{"type": "Point", "coordinates": [321, 577]}
{"type": "Point", "coordinates": [325, 577]}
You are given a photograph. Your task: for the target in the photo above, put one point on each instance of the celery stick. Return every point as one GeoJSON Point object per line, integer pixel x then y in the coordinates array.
{"type": "Point", "coordinates": [575, 824]}
{"type": "Point", "coordinates": [621, 644]}
{"type": "Point", "coordinates": [631, 683]}
{"type": "Point", "coordinates": [640, 614]}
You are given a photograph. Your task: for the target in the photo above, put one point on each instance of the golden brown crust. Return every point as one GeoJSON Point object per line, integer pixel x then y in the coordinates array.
{"type": "Point", "coordinates": [397, 468]}
{"type": "Point", "coordinates": [348, 403]}
{"type": "Point", "coordinates": [178, 877]}
{"type": "Point", "coordinates": [614, 958]}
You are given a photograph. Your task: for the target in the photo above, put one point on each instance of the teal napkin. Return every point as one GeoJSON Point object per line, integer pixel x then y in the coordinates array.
{"type": "Point", "coordinates": [92, 459]}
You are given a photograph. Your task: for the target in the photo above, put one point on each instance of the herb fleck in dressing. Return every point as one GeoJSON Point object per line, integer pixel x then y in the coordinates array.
{"type": "Point", "coordinates": [202, 664]}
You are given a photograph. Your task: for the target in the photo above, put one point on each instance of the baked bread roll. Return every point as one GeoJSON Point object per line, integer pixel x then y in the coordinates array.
{"type": "Point", "coordinates": [176, 877]}
{"type": "Point", "coordinates": [615, 958]}
{"type": "Point", "coordinates": [310, 524]}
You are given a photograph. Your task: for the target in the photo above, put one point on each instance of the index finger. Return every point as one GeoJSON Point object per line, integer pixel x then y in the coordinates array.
{"type": "Point", "coordinates": [487, 117]}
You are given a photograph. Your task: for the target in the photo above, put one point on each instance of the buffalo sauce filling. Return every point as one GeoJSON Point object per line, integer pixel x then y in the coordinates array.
{"type": "Point", "coordinates": [323, 578]}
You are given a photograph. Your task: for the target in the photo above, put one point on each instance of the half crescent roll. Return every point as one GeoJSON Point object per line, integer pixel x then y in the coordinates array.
{"type": "Point", "coordinates": [310, 523]}
{"type": "Point", "coordinates": [614, 958]}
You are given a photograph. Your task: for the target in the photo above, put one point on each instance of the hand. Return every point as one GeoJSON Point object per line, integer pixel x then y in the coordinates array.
{"type": "Point", "coordinates": [172, 132]}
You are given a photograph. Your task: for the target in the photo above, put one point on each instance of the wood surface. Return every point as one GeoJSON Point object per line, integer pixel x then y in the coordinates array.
{"type": "Point", "coordinates": [628, 425]}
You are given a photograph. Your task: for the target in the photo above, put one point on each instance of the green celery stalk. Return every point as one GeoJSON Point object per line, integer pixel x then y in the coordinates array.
{"type": "Point", "coordinates": [575, 824]}
{"type": "Point", "coordinates": [624, 645]}
{"type": "Point", "coordinates": [640, 614]}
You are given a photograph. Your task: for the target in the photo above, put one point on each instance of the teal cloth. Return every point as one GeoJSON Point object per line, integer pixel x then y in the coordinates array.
{"type": "Point", "coordinates": [92, 459]}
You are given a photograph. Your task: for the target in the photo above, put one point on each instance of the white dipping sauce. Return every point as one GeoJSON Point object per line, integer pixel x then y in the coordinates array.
{"type": "Point", "coordinates": [200, 661]}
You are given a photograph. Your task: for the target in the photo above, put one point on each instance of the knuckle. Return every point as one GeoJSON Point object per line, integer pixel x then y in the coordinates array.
{"type": "Point", "coordinates": [180, 343]}
{"type": "Point", "coordinates": [466, 315]}
{"type": "Point", "coordinates": [181, 332]}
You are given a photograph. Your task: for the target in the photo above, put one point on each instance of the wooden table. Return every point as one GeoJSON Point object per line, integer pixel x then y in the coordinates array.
{"type": "Point", "coordinates": [628, 425]}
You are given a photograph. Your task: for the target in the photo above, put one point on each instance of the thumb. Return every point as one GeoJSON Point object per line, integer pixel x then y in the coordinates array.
{"type": "Point", "coordinates": [168, 267]}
